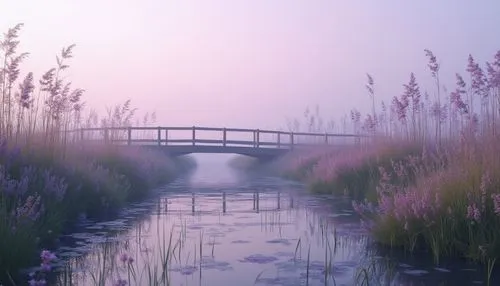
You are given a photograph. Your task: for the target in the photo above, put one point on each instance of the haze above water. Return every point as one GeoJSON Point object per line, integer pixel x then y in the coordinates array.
{"type": "Point", "coordinates": [248, 229]}
{"type": "Point", "coordinates": [214, 172]}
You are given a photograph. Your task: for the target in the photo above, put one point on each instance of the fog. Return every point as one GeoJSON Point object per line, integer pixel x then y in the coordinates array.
{"type": "Point", "coordinates": [250, 64]}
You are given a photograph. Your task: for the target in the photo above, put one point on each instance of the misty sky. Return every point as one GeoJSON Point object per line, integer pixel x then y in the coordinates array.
{"type": "Point", "coordinates": [250, 63]}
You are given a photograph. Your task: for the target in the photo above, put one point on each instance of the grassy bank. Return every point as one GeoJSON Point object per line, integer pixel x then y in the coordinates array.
{"type": "Point", "coordinates": [438, 194]}
{"type": "Point", "coordinates": [451, 208]}
{"type": "Point", "coordinates": [42, 194]}
{"type": "Point", "coordinates": [352, 171]}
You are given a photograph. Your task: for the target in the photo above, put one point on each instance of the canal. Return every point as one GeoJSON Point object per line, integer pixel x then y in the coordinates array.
{"type": "Point", "coordinates": [218, 226]}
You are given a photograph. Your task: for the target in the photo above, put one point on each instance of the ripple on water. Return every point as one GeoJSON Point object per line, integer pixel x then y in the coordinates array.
{"type": "Point", "coordinates": [114, 225]}
{"type": "Point", "coordinates": [316, 268]}
{"type": "Point", "coordinates": [185, 269]}
{"type": "Point", "coordinates": [259, 259]}
{"type": "Point", "coordinates": [69, 254]}
{"type": "Point", "coordinates": [335, 215]}
{"type": "Point", "coordinates": [416, 272]}
{"type": "Point", "coordinates": [216, 234]}
{"type": "Point", "coordinates": [208, 262]}
{"type": "Point", "coordinates": [211, 243]}
{"type": "Point", "coordinates": [283, 241]}
{"type": "Point", "coordinates": [441, 269]}
{"type": "Point", "coordinates": [285, 254]}
{"type": "Point", "coordinates": [81, 235]}
{"type": "Point", "coordinates": [240, 241]}
{"type": "Point", "coordinates": [95, 227]}
{"type": "Point", "coordinates": [280, 281]}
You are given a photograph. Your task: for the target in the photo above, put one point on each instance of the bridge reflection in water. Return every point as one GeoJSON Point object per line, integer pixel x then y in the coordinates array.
{"type": "Point", "coordinates": [221, 202]}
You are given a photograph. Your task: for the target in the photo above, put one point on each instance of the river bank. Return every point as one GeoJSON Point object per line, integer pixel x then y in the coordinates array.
{"type": "Point", "coordinates": [428, 180]}
{"type": "Point", "coordinates": [45, 193]}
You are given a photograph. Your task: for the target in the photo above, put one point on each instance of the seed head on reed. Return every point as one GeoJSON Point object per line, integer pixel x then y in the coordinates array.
{"type": "Point", "coordinates": [432, 64]}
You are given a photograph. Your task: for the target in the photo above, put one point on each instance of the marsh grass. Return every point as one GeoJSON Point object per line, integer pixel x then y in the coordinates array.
{"type": "Point", "coordinates": [376, 272]}
{"type": "Point", "coordinates": [48, 181]}
{"type": "Point", "coordinates": [118, 262]}
{"type": "Point", "coordinates": [440, 197]}
{"type": "Point", "coordinates": [353, 172]}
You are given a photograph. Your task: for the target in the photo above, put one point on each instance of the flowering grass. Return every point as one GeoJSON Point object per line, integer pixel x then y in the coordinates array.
{"type": "Point", "coordinates": [46, 182]}
{"type": "Point", "coordinates": [351, 171]}
{"type": "Point", "coordinates": [41, 195]}
{"type": "Point", "coordinates": [452, 209]}
{"type": "Point", "coordinates": [439, 194]}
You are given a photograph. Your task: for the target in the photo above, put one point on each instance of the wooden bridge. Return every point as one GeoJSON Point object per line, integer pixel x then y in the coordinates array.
{"type": "Point", "coordinates": [177, 141]}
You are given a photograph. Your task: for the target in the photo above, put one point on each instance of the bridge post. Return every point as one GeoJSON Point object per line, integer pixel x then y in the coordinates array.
{"type": "Point", "coordinates": [194, 135]}
{"type": "Point", "coordinates": [166, 136]}
{"type": "Point", "coordinates": [279, 200]}
{"type": "Point", "coordinates": [326, 138]}
{"type": "Point", "coordinates": [279, 139]}
{"type": "Point", "coordinates": [129, 135]}
{"type": "Point", "coordinates": [159, 136]}
{"type": "Point", "coordinates": [257, 202]}
{"type": "Point", "coordinates": [224, 137]}
{"type": "Point", "coordinates": [106, 135]}
{"type": "Point", "coordinates": [192, 203]}
{"type": "Point", "coordinates": [291, 140]}
{"type": "Point", "coordinates": [258, 138]}
{"type": "Point", "coordinates": [223, 202]}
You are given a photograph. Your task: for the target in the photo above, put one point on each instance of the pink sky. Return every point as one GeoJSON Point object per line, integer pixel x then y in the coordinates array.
{"type": "Point", "coordinates": [250, 63]}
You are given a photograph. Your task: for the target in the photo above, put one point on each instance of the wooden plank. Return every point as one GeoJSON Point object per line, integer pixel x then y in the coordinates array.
{"type": "Point", "coordinates": [178, 128]}
{"type": "Point", "coordinates": [209, 129]}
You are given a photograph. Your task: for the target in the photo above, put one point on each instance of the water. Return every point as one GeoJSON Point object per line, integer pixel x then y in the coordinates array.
{"type": "Point", "coordinates": [218, 227]}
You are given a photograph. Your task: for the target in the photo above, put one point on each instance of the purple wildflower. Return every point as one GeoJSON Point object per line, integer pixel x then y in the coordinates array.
{"type": "Point", "coordinates": [496, 203]}
{"type": "Point", "coordinates": [47, 256]}
{"type": "Point", "coordinates": [473, 213]}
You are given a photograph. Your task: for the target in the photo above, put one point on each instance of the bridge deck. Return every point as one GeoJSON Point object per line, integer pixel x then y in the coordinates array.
{"type": "Point", "coordinates": [185, 140]}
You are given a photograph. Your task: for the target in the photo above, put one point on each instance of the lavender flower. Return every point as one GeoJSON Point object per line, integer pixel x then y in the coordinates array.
{"type": "Point", "coordinates": [496, 203]}
{"type": "Point", "coordinates": [473, 213]}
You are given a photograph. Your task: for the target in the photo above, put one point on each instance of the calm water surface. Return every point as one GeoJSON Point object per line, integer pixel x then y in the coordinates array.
{"type": "Point", "coordinates": [218, 227]}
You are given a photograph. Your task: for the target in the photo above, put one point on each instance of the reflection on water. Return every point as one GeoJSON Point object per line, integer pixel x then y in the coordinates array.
{"type": "Point", "coordinates": [260, 231]}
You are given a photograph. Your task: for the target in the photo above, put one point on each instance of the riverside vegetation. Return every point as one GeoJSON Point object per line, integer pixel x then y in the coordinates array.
{"type": "Point", "coordinates": [48, 180]}
{"type": "Point", "coordinates": [429, 180]}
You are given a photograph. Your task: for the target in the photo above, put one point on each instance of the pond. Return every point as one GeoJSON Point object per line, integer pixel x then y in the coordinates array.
{"type": "Point", "coordinates": [221, 227]}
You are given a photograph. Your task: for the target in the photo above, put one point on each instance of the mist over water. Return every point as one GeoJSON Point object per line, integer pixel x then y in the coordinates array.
{"type": "Point", "coordinates": [213, 171]}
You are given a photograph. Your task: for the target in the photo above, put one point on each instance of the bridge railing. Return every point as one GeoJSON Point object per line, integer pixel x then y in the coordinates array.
{"type": "Point", "coordinates": [194, 135]}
